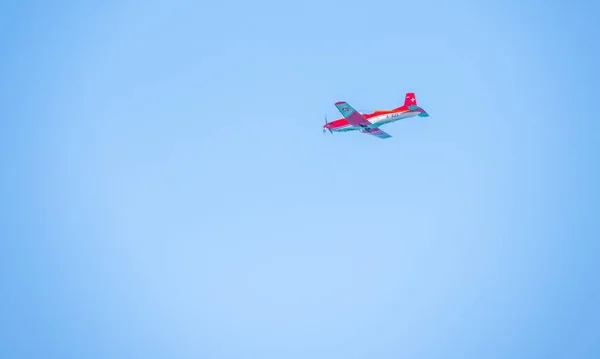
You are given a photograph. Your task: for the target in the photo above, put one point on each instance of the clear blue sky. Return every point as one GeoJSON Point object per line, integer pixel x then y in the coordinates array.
{"type": "Point", "coordinates": [167, 191]}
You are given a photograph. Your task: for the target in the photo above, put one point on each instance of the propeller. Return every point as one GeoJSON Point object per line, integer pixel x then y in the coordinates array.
{"type": "Point", "coordinates": [328, 128]}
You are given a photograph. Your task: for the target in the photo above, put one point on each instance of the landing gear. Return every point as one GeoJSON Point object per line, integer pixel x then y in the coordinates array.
{"type": "Point", "coordinates": [365, 128]}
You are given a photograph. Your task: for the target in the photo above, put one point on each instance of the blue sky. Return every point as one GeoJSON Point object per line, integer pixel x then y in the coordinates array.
{"type": "Point", "coordinates": [167, 191]}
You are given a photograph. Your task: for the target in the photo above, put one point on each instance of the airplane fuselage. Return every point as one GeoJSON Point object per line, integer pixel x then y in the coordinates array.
{"type": "Point", "coordinates": [378, 118]}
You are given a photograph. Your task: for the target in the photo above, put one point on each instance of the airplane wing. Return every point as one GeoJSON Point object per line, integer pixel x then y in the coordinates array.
{"type": "Point", "coordinates": [357, 120]}
{"type": "Point", "coordinates": [375, 132]}
{"type": "Point", "coordinates": [354, 118]}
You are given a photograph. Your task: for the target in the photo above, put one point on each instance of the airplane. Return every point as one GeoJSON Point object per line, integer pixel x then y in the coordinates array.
{"type": "Point", "coordinates": [369, 123]}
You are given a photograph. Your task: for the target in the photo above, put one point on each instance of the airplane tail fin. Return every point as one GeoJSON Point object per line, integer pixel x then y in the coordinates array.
{"type": "Point", "coordinates": [410, 99]}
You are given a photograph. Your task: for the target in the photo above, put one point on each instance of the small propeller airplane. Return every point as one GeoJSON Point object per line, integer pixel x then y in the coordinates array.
{"type": "Point", "coordinates": [369, 123]}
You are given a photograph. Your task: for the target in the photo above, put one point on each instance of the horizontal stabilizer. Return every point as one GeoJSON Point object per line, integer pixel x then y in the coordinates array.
{"type": "Point", "coordinates": [422, 112]}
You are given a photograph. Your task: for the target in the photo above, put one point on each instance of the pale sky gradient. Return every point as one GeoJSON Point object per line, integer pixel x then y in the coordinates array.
{"type": "Point", "coordinates": [167, 191]}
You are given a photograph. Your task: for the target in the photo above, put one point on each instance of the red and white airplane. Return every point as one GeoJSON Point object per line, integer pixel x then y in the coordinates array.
{"type": "Point", "coordinates": [369, 123]}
